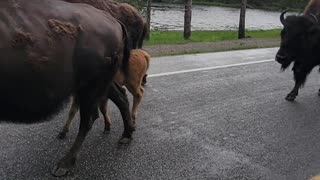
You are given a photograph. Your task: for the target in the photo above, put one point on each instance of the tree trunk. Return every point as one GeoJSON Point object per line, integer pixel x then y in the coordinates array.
{"type": "Point", "coordinates": [242, 21]}
{"type": "Point", "coordinates": [187, 19]}
{"type": "Point", "coordinates": [148, 19]}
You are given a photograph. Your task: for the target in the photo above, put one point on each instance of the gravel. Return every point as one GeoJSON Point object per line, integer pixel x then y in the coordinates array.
{"type": "Point", "coordinates": [203, 47]}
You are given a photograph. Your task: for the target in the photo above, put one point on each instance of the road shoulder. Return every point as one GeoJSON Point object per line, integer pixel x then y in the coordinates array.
{"type": "Point", "coordinates": [204, 47]}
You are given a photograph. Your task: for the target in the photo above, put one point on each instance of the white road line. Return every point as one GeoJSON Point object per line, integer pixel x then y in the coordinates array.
{"type": "Point", "coordinates": [209, 68]}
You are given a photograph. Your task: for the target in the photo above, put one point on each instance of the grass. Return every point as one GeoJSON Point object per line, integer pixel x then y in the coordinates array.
{"type": "Point", "coordinates": [176, 37]}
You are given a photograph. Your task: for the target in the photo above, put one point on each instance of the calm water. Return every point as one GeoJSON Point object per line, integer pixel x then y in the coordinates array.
{"type": "Point", "coordinates": [171, 17]}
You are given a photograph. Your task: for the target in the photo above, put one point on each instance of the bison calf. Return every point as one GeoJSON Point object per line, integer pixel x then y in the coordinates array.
{"type": "Point", "coordinates": [138, 66]}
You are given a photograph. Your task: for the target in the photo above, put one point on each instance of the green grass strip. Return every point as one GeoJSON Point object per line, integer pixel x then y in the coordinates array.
{"type": "Point", "coordinates": [176, 37]}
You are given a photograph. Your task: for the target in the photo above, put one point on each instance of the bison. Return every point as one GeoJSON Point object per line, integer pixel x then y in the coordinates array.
{"type": "Point", "coordinates": [313, 8]}
{"type": "Point", "coordinates": [125, 13]}
{"type": "Point", "coordinates": [52, 49]}
{"type": "Point", "coordinates": [300, 43]}
{"type": "Point", "coordinates": [138, 66]}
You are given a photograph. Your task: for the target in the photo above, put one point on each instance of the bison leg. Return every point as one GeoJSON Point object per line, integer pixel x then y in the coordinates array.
{"type": "Point", "coordinates": [86, 121]}
{"type": "Point", "coordinates": [118, 95]}
{"type": "Point", "coordinates": [73, 110]}
{"type": "Point", "coordinates": [137, 97]}
{"type": "Point", "coordinates": [300, 77]}
{"type": "Point", "coordinates": [88, 100]}
{"type": "Point", "coordinates": [104, 111]}
{"type": "Point", "coordinates": [294, 92]}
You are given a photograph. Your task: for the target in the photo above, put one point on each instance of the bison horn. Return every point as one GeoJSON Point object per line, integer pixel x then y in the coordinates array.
{"type": "Point", "coordinates": [282, 20]}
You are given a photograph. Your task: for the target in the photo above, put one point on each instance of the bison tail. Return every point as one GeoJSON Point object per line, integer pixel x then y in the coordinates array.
{"type": "Point", "coordinates": [143, 35]}
{"type": "Point", "coordinates": [126, 50]}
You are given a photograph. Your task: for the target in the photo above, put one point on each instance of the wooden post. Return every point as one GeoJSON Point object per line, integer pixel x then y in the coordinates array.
{"type": "Point", "coordinates": [187, 19]}
{"type": "Point", "coordinates": [148, 19]}
{"type": "Point", "coordinates": [242, 21]}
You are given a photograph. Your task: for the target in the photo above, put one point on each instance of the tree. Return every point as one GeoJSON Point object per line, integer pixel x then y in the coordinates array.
{"type": "Point", "coordinates": [242, 21]}
{"type": "Point", "coordinates": [148, 19]}
{"type": "Point", "coordinates": [187, 19]}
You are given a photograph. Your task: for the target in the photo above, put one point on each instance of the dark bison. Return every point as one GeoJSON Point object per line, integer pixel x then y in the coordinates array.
{"type": "Point", "coordinates": [300, 44]}
{"type": "Point", "coordinates": [51, 49]}
{"type": "Point", "coordinates": [125, 13]}
{"type": "Point", "coordinates": [138, 66]}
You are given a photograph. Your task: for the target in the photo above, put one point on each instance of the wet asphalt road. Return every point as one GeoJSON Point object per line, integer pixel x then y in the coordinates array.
{"type": "Point", "coordinates": [214, 116]}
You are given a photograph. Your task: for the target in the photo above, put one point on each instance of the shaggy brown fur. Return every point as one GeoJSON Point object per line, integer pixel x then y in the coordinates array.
{"type": "Point", "coordinates": [138, 66]}
{"type": "Point", "coordinates": [63, 28]}
{"type": "Point", "coordinates": [22, 39]}
{"type": "Point", "coordinates": [126, 14]}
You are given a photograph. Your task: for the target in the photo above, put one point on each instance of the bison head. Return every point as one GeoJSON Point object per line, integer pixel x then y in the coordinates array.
{"type": "Point", "coordinates": [300, 41]}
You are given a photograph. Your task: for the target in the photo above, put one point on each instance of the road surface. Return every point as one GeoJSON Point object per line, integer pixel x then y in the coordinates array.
{"type": "Point", "coordinates": [218, 116]}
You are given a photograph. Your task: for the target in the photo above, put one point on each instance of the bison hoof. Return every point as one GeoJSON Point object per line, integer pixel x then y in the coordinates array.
{"type": "Point", "coordinates": [62, 135]}
{"type": "Point", "coordinates": [124, 140]}
{"type": "Point", "coordinates": [59, 171]}
{"type": "Point", "coordinates": [63, 167]}
{"type": "Point", "coordinates": [291, 97]}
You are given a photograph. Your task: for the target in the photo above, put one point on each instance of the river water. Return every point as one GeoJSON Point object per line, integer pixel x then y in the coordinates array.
{"type": "Point", "coordinates": [171, 17]}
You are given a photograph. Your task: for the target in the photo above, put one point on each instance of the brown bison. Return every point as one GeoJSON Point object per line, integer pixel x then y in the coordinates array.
{"type": "Point", "coordinates": [51, 49]}
{"type": "Point", "coordinates": [138, 66]}
{"type": "Point", "coordinates": [125, 13]}
{"type": "Point", "coordinates": [300, 42]}
{"type": "Point", "coordinates": [313, 8]}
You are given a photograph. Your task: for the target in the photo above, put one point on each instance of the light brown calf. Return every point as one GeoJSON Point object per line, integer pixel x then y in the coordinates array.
{"type": "Point", "coordinates": [138, 66]}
